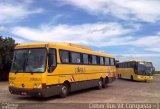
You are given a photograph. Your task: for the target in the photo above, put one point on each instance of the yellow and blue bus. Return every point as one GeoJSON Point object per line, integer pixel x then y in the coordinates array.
{"type": "Point", "coordinates": [138, 70]}
{"type": "Point", "coordinates": [47, 69]}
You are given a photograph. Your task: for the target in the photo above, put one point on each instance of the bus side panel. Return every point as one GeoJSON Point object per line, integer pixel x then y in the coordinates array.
{"type": "Point", "coordinates": [126, 72]}
{"type": "Point", "coordinates": [75, 73]}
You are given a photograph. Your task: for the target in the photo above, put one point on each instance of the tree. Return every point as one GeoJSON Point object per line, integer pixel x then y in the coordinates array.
{"type": "Point", "coordinates": [7, 45]}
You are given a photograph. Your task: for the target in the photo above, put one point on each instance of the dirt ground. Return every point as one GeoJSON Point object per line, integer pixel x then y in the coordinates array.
{"type": "Point", "coordinates": [120, 91]}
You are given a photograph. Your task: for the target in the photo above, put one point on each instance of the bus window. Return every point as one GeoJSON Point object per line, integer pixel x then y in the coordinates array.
{"type": "Point", "coordinates": [126, 65]}
{"type": "Point", "coordinates": [64, 56]}
{"type": "Point", "coordinates": [98, 60]}
{"type": "Point", "coordinates": [75, 57]}
{"type": "Point", "coordinates": [94, 60]}
{"type": "Point", "coordinates": [101, 61]}
{"type": "Point", "coordinates": [89, 59]}
{"type": "Point", "coordinates": [120, 65]}
{"type": "Point", "coordinates": [51, 60]}
{"type": "Point", "coordinates": [132, 65]}
{"type": "Point", "coordinates": [129, 65]}
{"type": "Point", "coordinates": [107, 61]}
{"type": "Point", "coordinates": [85, 59]}
{"type": "Point", "coordinates": [112, 61]}
{"type": "Point", "coordinates": [29, 60]}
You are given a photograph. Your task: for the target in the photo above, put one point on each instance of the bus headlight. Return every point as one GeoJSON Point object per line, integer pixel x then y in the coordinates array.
{"type": "Point", "coordinates": [139, 77]}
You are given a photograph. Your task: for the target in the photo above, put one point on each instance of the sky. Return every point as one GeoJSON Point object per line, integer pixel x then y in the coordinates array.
{"type": "Point", "coordinates": [129, 29]}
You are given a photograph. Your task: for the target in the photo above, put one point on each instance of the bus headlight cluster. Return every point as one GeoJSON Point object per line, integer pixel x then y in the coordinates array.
{"type": "Point", "coordinates": [37, 86]}
{"type": "Point", "coordinates": [139, 77]}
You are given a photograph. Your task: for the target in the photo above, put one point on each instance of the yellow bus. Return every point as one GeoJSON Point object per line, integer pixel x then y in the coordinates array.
{"type": "Point", "coordinates": [138, 70]}
{"type": "Point", "coordinates": [47, 69]}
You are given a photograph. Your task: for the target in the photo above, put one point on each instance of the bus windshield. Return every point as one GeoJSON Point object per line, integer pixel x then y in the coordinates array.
{"type": "Point", "coordinates": [145, 68]}
{"type": "Point", "coordinates": [29, 60]}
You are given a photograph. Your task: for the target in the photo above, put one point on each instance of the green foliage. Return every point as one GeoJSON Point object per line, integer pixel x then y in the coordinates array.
{"type": "Point", "coordinates": [7, 45]}
{"type": "Point", "coordinates": [157, 72]}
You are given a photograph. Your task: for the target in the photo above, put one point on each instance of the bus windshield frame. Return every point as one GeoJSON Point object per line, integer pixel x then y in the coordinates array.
{"type": "Point", "coordinates": [144, 68]}
{"type": "Point", "coordinates": [29, 60]}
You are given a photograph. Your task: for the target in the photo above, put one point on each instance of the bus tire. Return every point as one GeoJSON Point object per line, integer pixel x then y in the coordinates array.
{"type": "Point", "coordinates": [64, 91]}
{"type": "Point", "coordinates": [100, 84]}
{"type": "Point", "coordinates": [132, 78]}
{"type": "Point", "coordinates": [120, 76]}
{"type": "Point", "coordinates": [105, 82]}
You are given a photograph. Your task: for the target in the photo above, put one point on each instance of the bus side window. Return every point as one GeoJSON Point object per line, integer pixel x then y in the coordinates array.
{"type": "Point", "coordinates": [126, 65]}
{"type": "Point", "coordinates": [52, 60]}
{"type": "Point", "coordinates": [101, 61]}
{"type": "Point", "coordinates": [112, 62]}
{"type": "Point", "coordinates": [85, 59]}
{"type": "Point", "coordinates": [120, 65]}
{"type": "Point", "coordinates": [107, 61]}
{"type": "Point", "coordinates": [132, 65]}
{"type": "Point", "coordinates": [129, 66]}
{"type": "Point", "coordinates": [94, 60]}
{"type": "Point", "coordinates": [64, 56]}
{"type": "Point", "coordinates": [98, 60]}
{"type": "Point", "coordinates": [89, 59]}
{"type": "Point", "coordinates": [75, 57]}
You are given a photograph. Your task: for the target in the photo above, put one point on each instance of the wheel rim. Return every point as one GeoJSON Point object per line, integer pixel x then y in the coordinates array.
{"type": "Point", "coordinates": [131, 77]}
{"type": "Point", "coordinates": [64, 90]}
{"type": "Point", "coordinates": [100, 83]}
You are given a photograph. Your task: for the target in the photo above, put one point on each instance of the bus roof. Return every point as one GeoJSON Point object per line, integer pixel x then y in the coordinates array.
{"type": "Point", "coordinates": [62, 45]}
{"type": "Point", "coordinates": [135, 61]}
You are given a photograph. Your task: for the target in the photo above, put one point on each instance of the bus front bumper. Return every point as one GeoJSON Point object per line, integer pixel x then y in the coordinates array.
{"type": "Point", "coordinates": [39, 92]}
{"type": "Point", "coordinates": [144, 78]}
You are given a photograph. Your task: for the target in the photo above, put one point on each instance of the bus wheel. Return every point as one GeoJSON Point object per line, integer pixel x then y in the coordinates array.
{"type": "Point", "coordinates": [132, 78]}
{"type": "Point", "coordinates": [105, 82]}
{"type": "Point", "coordinates": [120, 76]}
{"type": "Point", "coordinates": [64, 91]}
{"type": "Point", "coordinates": [100, 84]}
